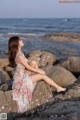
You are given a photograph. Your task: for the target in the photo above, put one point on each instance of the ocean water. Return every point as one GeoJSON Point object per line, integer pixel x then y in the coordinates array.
{"type": "Point", "coordinates": [39, 26]}
{"type": "Point", "coordinates": [42, 26]}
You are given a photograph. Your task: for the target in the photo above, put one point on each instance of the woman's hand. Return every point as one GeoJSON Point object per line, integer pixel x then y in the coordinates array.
{"type": "Point", "coordinates": [41, 71]}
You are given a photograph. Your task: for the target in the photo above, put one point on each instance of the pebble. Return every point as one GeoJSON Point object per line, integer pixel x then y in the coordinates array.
{"type": "Point", "coordinates": [32, 111]}
{"type": "Point", "coordinates": [38, 104]}
{"type": "Point", "coordinates": [36, 100]}
{"type": "Point", "coordinates": [47, 100]}
{"type": "Point", "coordinates": [2, 107]}
{"type": "Point", "coordinates": [10, 109]}
{"type": "Point", "coordinates": [62, 115]}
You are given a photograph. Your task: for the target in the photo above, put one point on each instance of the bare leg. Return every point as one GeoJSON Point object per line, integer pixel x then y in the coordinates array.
{"type": "Point", "coordinates": [38, 77]}
{"type": "Point", "coordinates": [33, 64]}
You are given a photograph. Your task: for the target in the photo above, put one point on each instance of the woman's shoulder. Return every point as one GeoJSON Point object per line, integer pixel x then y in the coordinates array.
{"type": "Point", "coordinates": [19, 55]}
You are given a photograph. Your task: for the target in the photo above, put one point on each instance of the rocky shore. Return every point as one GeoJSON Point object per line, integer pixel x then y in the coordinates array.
{"type": "Point", "coordinates": [46, 104]}
{"type": "Point", "coordinates": [66, 37]}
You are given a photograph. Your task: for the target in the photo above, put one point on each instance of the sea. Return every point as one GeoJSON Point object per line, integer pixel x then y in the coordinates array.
{"type": "Point", "coordinates": [38, 27]}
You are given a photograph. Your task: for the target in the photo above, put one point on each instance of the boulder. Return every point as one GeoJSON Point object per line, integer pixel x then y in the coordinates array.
{"type": "Point", "coordinates": [6, 75]}
{"type": "Point", "coordinates": [9, 70]}
{"type": "Point", "coordinates": [47, 58]}
{"type": "Point", "coordinates": [3, 62]}
{"type": "Point", "coordinates": [42, 58]}
{"type": "Point", "coordinates": [6, 103]}
{"type": "Point", "coordinates": [72, 64]}
{"type": "Point", "coordinates": [35, 53]}
{"type": "Point", "coordinates": [61, 76]}
{"type": "Point", "coordinates": [41, 94]}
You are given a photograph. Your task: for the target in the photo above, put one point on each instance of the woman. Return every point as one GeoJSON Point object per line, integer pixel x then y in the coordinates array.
{"type": "Point", "coordinates": [26, 74]}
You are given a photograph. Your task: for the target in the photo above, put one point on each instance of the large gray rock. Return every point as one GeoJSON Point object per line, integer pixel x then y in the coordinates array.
{"type": "Point", "coordinates": [61, 76]}
{"type": "Point", "coordinates": [72, 64]}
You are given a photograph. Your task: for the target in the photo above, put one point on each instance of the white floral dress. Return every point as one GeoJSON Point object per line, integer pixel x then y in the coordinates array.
{"type": "Point", "coordinates": [22, 87]}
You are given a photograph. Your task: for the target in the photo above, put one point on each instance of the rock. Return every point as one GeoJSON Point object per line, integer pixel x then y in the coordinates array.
{"type": "Point", "coordinates": [3, 62]}
{"type": "Point", "coordinates": [68, 37]}
{"type": "Point", "coordinates": [42, 58]}
{"type": "Point", "coordinates": [2, 78]}
{"type": "Point", "coordinates": [47, 59]}
{"type": "Point", "coordinates": [9, 70]}
{"type": "Point", "coordinates": [72, 64]}
{"type": "Point", "coordinates": [61, 76]}
{"type": "Point", "coordinates": [12, 104]}
{"type": "Point", "coordinates": [35, 53]}
{"type": "Point", "coordinates": [66, 110]}
{"type": "Point", "coordinates": [3, 103]}
{"type": "Point", "coordinates": [47, 68]}
{"type": "Point", "coordinates": [41, 94]}
{"type": "Point", "coordinates": [4, 87]}
{"type": "Point", "coordinates": [6, 103]}
{"type": "Point", "coordinates": [79, 78]}
{"type": "Point", "coordinates": [7, 85]}
{"type": "Point", "coordinates": [6, 75]}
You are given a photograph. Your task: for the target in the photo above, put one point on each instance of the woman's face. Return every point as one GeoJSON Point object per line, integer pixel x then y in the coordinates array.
{"type": "Point", "coordinates": [21, 44]}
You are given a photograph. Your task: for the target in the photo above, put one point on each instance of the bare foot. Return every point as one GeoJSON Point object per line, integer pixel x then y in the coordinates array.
{"type": "Point", "coordinates": [61, 89]}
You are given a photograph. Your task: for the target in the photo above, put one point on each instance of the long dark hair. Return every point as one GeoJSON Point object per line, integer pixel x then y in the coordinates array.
{"type": "Point", "coordinates": [12, 49]}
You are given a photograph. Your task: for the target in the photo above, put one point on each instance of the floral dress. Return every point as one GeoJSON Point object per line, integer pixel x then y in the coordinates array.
{"type": "Point", "coordinates": [22, 87]}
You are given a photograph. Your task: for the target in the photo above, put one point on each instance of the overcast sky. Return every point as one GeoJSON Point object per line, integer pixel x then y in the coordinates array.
{"type": "Point", "coordinates": [37, 9]}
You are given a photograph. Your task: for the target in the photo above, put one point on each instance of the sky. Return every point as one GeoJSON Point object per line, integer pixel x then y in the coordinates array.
{"type": "Point", "coordinates": [38, 9]}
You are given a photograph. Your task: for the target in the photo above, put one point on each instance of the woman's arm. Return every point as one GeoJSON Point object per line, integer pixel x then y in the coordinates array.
{"type": "Point", "coordinates": [21, 60]}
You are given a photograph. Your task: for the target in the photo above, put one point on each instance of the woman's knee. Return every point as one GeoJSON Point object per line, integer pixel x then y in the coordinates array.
{"type": "Point", "coordinates": [33, 62]}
